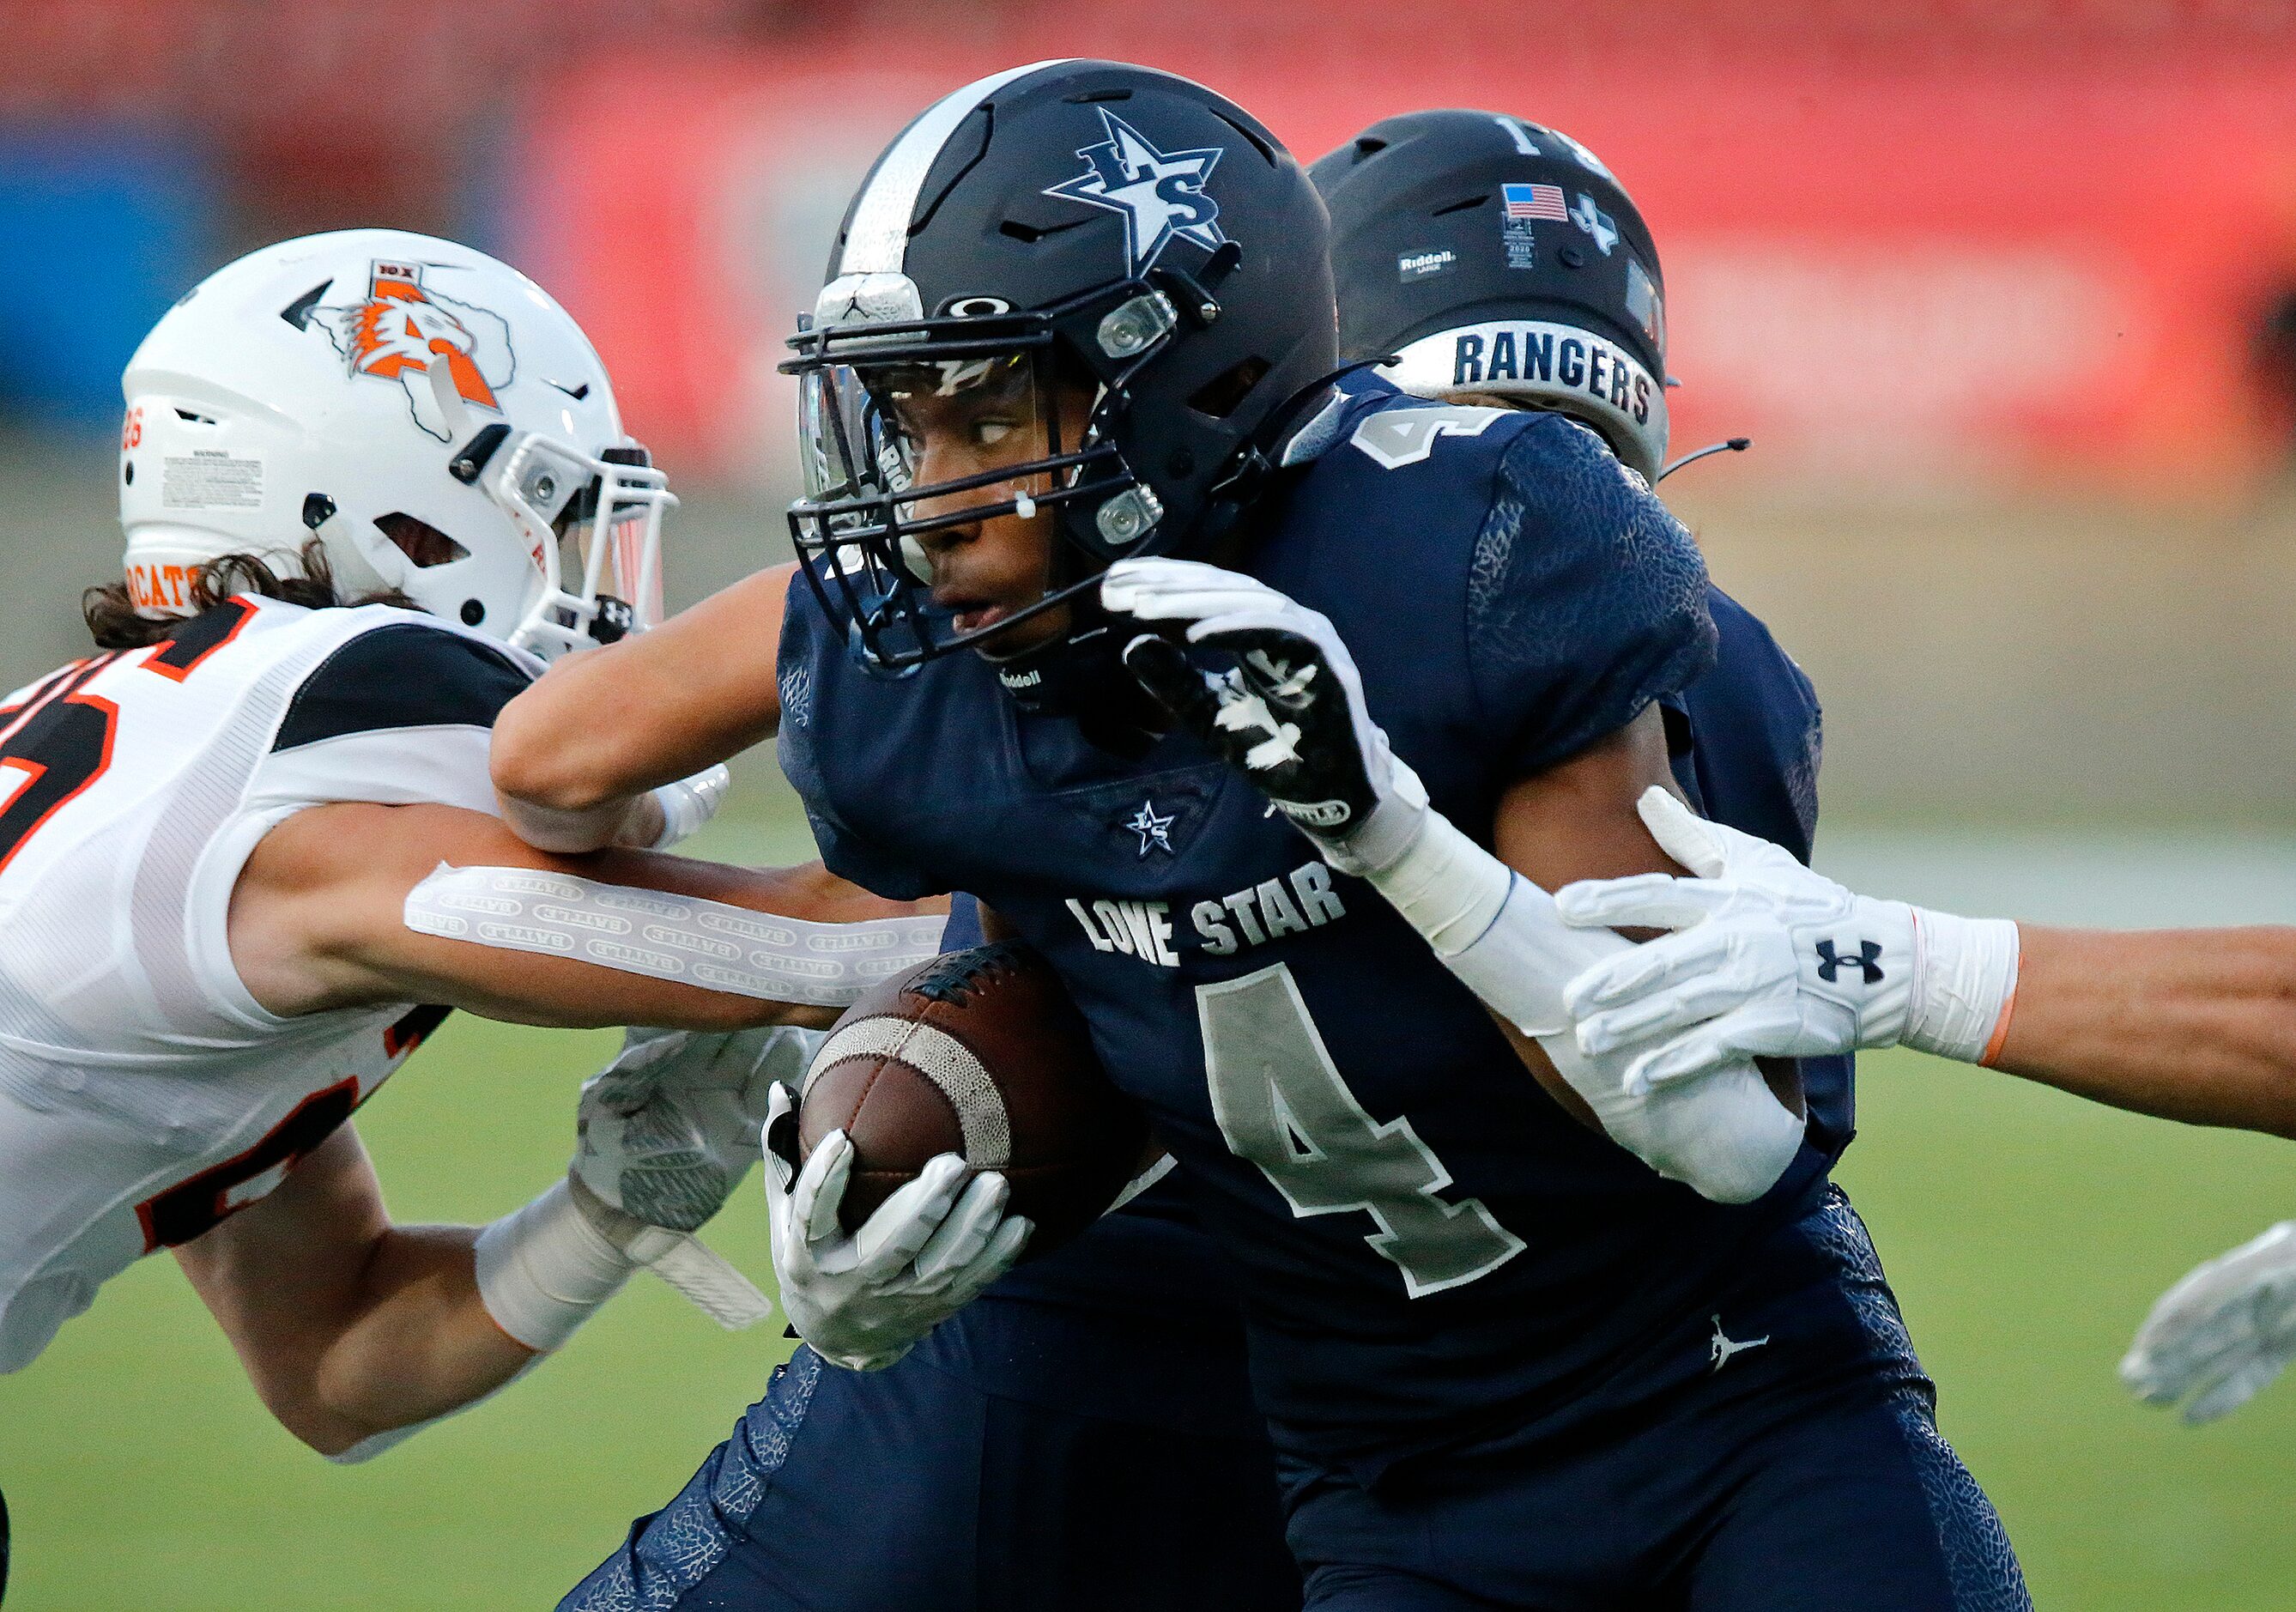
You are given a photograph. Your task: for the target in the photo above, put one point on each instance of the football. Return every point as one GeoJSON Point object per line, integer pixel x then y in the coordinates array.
{"type": "Point", "coordinates": [981, 1054]}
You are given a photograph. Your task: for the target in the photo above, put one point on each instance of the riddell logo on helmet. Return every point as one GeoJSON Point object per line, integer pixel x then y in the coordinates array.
{"type": "Point", "coordinates": [1426, 265]}
{"type": "Point", "coordinates": [401, 328]}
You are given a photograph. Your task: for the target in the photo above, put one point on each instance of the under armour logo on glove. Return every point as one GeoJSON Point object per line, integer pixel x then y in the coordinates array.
{"type": "Point", "coordinates": [1868, 960]}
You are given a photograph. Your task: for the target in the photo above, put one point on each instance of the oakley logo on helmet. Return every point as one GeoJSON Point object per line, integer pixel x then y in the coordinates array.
{"type": "Point", "coordinates": [1160, 193]}
{"type": "Point", "coordinates": [400, 328]}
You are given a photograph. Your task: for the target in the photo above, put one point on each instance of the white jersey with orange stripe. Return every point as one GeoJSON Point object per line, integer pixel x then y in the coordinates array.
{"type": "Point", "coordinates": [145, 1094]}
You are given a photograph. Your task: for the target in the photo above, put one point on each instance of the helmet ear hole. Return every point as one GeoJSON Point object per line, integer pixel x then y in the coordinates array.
{"type": "Point", "coordinates": [1220, 395]}
{"type": "Point", "coordinates": [473, 613]}
{"type": "Point", "coordinates": [423, 544]}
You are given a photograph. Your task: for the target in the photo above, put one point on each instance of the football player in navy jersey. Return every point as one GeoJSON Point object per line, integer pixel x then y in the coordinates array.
{"type": "Point", "coordinates": [1065, 404]}
{"type": "Point", "coordinates": [771, 1511]}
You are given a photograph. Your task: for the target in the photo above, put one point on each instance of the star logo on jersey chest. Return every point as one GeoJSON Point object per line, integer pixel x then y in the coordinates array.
{"type": "Point", "coordinates": [1160, 193]}
{"type": "Point", "coordinates": [1155, 832]}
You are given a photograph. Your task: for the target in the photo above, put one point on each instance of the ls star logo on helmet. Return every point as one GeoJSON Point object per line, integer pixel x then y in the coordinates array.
{"type": "Point", "coordinates": [1160, 193]}
{"type": "Point", "coordinates": [401, 327]}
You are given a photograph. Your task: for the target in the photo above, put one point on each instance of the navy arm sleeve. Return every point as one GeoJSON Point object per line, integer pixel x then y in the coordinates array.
{"type": "Point", "coordinates": [1586, 600]}
{"type": "Point", "coordinates": [1756, 733]}
{"type": "Point", "coordinates": [808, 653]}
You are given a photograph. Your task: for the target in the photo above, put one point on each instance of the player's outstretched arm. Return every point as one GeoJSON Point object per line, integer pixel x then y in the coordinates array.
{"type": "Point", "coordinates": [349, 1326]}
{"type": "Point", "coordinates": [576, 756]}
{"type": "Point", "coordinates": [1769, 956]}
{"type": "Point", "coordinates": [320, 919]}
{"type": "Point", "coordinates": [2193, 1024]}
{"type": "Point", "coordinates": [356, 1332]}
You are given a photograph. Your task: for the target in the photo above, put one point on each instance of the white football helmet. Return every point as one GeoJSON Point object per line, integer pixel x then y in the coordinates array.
{"type": "Point", "coordinates": [428, 413]}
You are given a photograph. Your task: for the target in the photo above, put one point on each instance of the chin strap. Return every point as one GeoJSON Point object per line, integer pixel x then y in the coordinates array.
{"type": "Point", "coordinates": [1080, 677]}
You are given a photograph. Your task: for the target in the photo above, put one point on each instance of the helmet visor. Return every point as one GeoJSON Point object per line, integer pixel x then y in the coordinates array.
{"type": "Point", "coordinates": [595, 527]}
{"type": "Point", "coordinates": [900, 449]}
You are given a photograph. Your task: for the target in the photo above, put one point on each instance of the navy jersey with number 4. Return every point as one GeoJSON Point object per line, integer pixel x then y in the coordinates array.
{"type": "Point", "coordinates": [1432, 1252]}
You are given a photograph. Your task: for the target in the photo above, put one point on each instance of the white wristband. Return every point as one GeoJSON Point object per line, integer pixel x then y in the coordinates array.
{"type": "Point", "coordinates": [1501, 936]}
{"type": "Point", "coordinates": [1965, 984]}
{"type": "Point", "coordinates": [1448, 888]}
{"type": "Point", "coordinates": [544, 1270]}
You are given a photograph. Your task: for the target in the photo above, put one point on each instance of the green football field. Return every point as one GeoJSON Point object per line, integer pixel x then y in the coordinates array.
{"type": "Point", "coordinates": [2026, 1233]}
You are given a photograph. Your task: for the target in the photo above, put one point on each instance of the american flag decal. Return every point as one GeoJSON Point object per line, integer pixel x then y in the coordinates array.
{"type": "Point", "coordinates": [1535, 201]}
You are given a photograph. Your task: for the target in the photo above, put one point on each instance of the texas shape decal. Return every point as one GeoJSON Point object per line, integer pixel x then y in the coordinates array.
{"type": "Point", "coordinates": [1160, 193]}
{"type": "Point", "coordinates": [400, 329]}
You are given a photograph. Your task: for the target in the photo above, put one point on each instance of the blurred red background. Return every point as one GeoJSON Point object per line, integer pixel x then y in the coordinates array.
{"type": "Point", "coordinates": [1904, 244]}
{"type": "Point", "coordinates": [1959, 247]}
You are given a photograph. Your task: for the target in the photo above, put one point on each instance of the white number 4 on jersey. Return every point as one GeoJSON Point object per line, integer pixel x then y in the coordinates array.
{"type": "Point", "coordinates": [1281, 1103]}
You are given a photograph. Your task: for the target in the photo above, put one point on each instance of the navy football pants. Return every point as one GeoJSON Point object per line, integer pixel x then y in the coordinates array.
{"type": "Point", "coordinates": [1781, 1481]}
{"type": "Point", "coordinates": [913, 1487]}
{"type": "Point", "coordinates": [1858, 1506]}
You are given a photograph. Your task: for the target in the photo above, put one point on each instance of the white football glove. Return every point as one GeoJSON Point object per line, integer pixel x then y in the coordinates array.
{"type": "Point", "coordinates": [862, 1300]}
{"type": "Point", "coordinates": [1771, 959]}
{"type": "Point", "coordinates": [668, 1131]}
{"type": "Point", "coordinates": [2222, 1333]}
{"type": "Point", "coordinates": [1290, 713]}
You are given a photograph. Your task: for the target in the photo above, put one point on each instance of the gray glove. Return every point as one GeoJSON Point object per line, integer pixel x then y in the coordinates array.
{"type": "Point", "coordinates": [666, 1133]}
{"type": "Point", "coordinates": [2222, 1333]}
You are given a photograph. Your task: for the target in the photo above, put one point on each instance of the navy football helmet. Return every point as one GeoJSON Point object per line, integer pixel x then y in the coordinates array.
{"type": "Point", "coordinates": [1131, 264]}
{"type": "Point", "coordinates": [1493, 255]}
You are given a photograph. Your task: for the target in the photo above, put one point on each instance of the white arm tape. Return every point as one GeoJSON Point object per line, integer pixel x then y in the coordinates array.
{"type": "Point", "coordinates": [695, 942]}
{"type": "Point", "coordinates": [710, 1281]}
{"type": "Point", "coordinates": [545, 1269]}
{"type": "Point", "coordinates": [1726, 1135]}
{"type": "Point", "coordinates": [1966, 974]}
